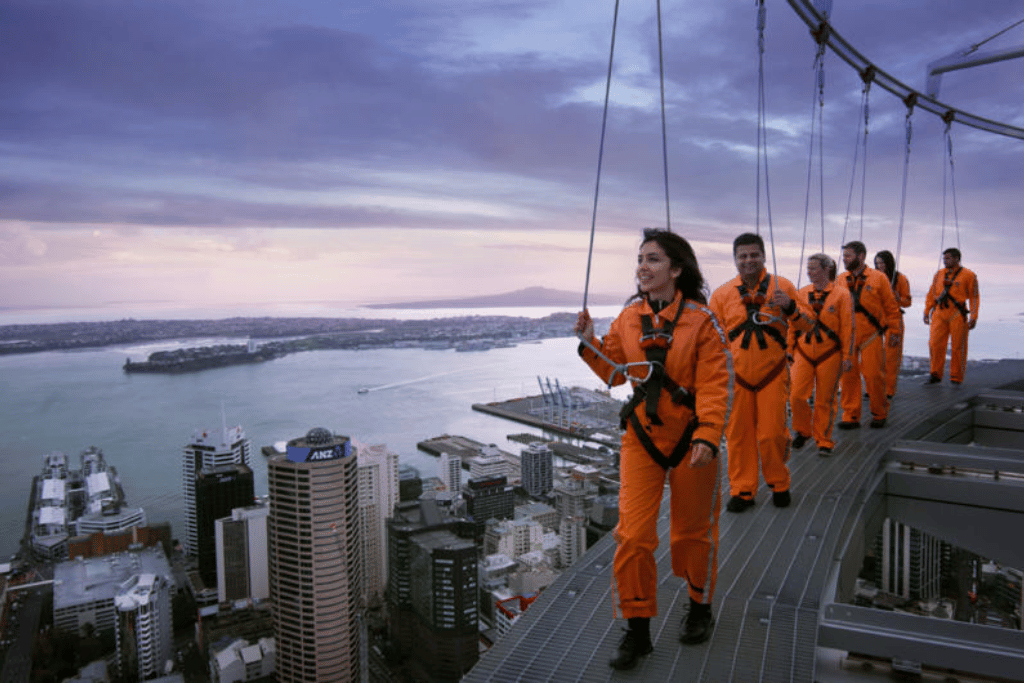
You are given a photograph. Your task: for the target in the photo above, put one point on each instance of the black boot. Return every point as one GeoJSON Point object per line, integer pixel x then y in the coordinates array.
{"type": "Point", "coordinates": [635, 644]}
{"type": "Point", "coordinates": [697, 624]}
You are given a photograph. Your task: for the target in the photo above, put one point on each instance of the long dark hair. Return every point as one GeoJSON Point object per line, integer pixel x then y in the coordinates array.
{"type": "Point", "coordinates": [890, 265]}
{"type": "Point", "coordinates": [680, 254]}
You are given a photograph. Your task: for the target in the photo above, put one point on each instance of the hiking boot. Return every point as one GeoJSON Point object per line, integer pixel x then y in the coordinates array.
{"type": "Point", "coordinates": [781, 499]}
{"type": "Point", "coordinates": [933, 379]}
{"type": "Point", "coordinates": [635, 644]}
{"type": "Point", "coordinates": [849, 424]}
{"type": "Point", "coordinates": [739, 504]}
{"type": "Point", "coordinates": [799, 440]}
{"type": "Point", "coordinates": [878, 423]}
{"type": "Point", "coordinates": [696, 626]}
{"type": "Point", "coordinates": [824, 451]}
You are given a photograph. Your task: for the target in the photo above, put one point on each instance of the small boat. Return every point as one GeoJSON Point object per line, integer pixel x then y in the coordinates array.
{"type": "Point", "coordinates": [364, 390]}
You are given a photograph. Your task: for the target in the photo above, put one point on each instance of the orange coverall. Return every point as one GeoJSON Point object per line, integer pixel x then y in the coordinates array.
{"type": "Point", "coordinates": [894, 355]}
{"type": "Point", "coordinates": [817, 361]}
{"type": "Point", "coordinates": [757, 436]}
{"type": "Point", "coordinates": [877, 304]}
{"type": "Point", "coordinates": [949, 318]}
{"type": "Point", "coordinates": [698, 361]}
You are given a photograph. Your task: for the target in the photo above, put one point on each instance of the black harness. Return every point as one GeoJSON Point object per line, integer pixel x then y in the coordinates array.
{"type": "Point", "coordinates": [750, 327]}
{"type": "Point", "coordinates": [817, 302]}
{"type": "Point", "coordinates": [656, 342]}
{"type": "Point", "coordinates": [946, 299]}
{"type": "Point", "coordinates": [856, 285]}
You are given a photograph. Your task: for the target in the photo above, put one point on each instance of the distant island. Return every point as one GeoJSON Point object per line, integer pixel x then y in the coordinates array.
{"type": "Point", "coordinates": [531, 296]}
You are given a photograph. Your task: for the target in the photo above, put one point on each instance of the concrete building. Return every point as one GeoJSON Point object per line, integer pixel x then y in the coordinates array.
{"type": "Point", "coordinates": [243, 569]}
{"type": "Point", "coordinates": [910, 562]}
{"type": "Point", "coordinates": [378, 495]}
{"type": "Point", "coordinates": [489, 498]}
{"type": "Point", "coordinates": [488, 464]}
{"type": "Point", "coordinates": [145, 631]}
{"type": "Point", "coordinates": [206, 450]}
{"type": "Point", "coordinates": [240, 661]}
{"type": "Point", "coordinates": [449, 471]}
{"type": "Point", "coordinates": [315, 558]}
{"type": "Point", "coordinates": [537, 469]}
{"type": "Point", "coordinates": [513, 537]}
{"type": "Point", "coordinates": [84, 589]}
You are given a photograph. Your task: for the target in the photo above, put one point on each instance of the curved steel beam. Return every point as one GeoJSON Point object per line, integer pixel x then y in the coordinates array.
{"type": "Point", "coordinates": [823, 31]}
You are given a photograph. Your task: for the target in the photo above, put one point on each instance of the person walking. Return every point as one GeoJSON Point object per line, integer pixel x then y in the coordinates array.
{"type": "Point", "coordinates": [876, 315]}
{"type": "Point", "coordinates": [885, 263]}
{"type": "Point", "coordinates": [951, 310]}
{"type": "Point", "coordinates": [757, 309]}
{"type": "Point", "coordinates": [821, 355]}
{"type": "Point", "coordinates": [670, 347]}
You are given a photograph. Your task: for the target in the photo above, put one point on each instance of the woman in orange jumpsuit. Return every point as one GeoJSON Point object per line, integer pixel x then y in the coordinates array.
{"type": "Point", "coordinates": [678, 364]}
{"type": "Point", "coordinates": [886, 264]}
{"type": "Point", "coordinates": [821, 355]}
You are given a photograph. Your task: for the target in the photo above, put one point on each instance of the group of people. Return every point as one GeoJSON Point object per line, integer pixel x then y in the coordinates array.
{"type": "Point", "coordinates": [836, 337]}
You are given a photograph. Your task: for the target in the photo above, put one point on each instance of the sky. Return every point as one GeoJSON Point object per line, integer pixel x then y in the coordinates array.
{"type": "Point", "coordinates": [214, 152]}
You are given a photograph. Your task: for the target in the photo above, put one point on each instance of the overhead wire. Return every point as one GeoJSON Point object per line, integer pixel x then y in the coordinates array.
{"type": "Point", "coordinates": [910, 101]}
{"type": "Point", "coordinates": [664, 128]}
{"type": "Point", "coordinates": [762, 135]}
{"type": "Point", "coordinates": [948, 143]}
{"type": "Point", "coordinates": [817, 106]}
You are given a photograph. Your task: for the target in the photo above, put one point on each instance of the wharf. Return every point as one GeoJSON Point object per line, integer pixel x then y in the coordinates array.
{"type": "Point", "coordinates": [579, 413]}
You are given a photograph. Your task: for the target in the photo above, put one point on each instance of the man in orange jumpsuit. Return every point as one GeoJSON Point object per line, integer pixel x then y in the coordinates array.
{"type": "Point", "coordinates": [946, 310]}
{"type": "Point", "coordinates": [885, 263]}
{"type": "Point", "coordinates": [876, 316]}
{"type": "Point", "coordinates": [820, 355]}
{"type": "Point", "coordinates": [756, 309]}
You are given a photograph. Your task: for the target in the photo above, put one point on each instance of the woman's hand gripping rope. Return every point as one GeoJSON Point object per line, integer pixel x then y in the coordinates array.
{"type": "Point", "coordinates": [585, 332]}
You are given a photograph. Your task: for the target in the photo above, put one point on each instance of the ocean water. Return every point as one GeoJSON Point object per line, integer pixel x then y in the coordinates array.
{"type": "Point", "coordinates": [68, 401]}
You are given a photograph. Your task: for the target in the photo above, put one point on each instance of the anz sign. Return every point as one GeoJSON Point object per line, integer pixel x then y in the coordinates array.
{"type": "Point", "coordinates": [319, 453]}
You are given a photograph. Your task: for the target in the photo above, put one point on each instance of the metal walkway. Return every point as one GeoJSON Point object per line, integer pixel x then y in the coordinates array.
{"type": "Point", "coordinates": [783, 573]}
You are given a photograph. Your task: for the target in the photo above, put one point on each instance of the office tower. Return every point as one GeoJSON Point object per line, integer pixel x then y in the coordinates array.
{"type": "Point", "coordinates": [537, 471]}
{"type": "Point", "coordinates": [315, 558]}
{"type": "Point", "coordinates": [489, 463]}
{"type": "Point", "coordinates": [219, 490]}
{"type": "Point", "coordinates": [242, 562]}
{"type": "Point", "coordinates": [206, 450]}
{"type": "Point", "coordinates": [378, 495]}
{"type": "Point", "coordinates": [410, 485]}
{"type": "Point", "coordinates": [491, 498]}
{"type": "Point", "coordinates": [144, 628]}
{"type": "Point", "coordinates": [449, 471]}
{"type": "Point", "coordinates": [910, 562]}
{"type": "Point", "coordinates": [572, 534]}
{"type": "Point", "coordinates": [432, 592]}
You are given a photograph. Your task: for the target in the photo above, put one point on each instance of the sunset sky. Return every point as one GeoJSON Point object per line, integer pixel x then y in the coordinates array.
{"type": "Point", "coordinates": [241, 152]}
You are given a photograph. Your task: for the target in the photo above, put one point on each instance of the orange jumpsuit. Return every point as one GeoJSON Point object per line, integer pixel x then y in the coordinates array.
{"type": "Point", "coordinates": [757, 436]}
{"type": "Point", "coordinates": [894, 355]}
{"type": "Point", "coordinates": [876, 312]}
{"type": "Point", "coordinates": [697, 361]}
{"type": "Point", "coordinates": [949, 319]}
{"type": "Point", "coordinates": [818, 357]}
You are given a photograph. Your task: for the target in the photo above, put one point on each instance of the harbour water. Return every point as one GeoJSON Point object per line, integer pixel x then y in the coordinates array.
{"type": "Point", "coordinates": [68, 401]}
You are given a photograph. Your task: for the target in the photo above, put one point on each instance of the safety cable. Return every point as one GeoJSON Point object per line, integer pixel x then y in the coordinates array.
{"type": "Point", "coordinates": [952, 184]}
{"type": "Point", "coordinates": [819, 63]}
{"type": "Point", "coordinates": [762, 136]}
{"type": "Point", "coordinates": [600, 153]}
{"type": "Point", "coordinates": [664, 130]}
{"type": "Point", "coordinates": [910, 101]}
{"type": "Point", "coordinates": [995, 35]}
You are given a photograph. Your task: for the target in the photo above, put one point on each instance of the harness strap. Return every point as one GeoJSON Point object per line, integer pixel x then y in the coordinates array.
{"type": "Point", "coordinates": [815, 362]}
{"type": "Point", "coordinates": [655, 342]}
{"type": "Point", "coordinates": [677, 454]}
{"type": "Point", "coordinates": [779, 367]}
{"type": "Point", "coordinates": [945, 299]}
{"type": "Point", "coordinates": [856, 285]}
{"type": "Point", "coordinates": [751, 327]}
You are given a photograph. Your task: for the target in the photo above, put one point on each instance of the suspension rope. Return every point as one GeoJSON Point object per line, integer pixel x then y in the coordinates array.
{"type": "Point", "coordinates": [819, 63]}
{"type": "Point", "coordinates": [600, 153]}
{"type": "Point", "coordinates": [664, 130]}
{"type": "Point", "coordinates": [995, 35]}
{"type": "Point", "coordinates": [762, 135]}
{"type": "Point", "coordinates": [948, 118]}
{"type": "Point", "coordinates": [910, 101]}
{"type": "Point", "coordinates": [868, 76]}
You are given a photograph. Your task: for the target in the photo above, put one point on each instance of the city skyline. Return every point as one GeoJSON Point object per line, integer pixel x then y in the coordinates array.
{"type": "Point", "coordinates": [195, 152]}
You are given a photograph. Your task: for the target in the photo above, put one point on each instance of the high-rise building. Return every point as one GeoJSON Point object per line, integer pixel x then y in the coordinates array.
{"type": "Point", "coordinates": [537, 470]}
{"type": "Point", "coordinates": [910, 562]}
{"type": "Point", "coordinates": [315, 558]}
{"type": "Point", "coordinates": [491, 498]}
{"type": "Point", "coordinates": [488, 463]}
{"type": "Point", "coordinates": [145, 633]}
{"type": "Point", "coordinates": [219, 490]}
{"type": "Point", "coordinates": [432, 592]}
{"type": "Point", "coordinates": [378, 495]}
{"type": "Point", "coordinates": [410, 485]}
{"type": "Point", "coordinates": [449, 471]}
{"type": "Point", "coordinates": [207, 450]}
{"type": "Point", "coordinates": [242, 562]}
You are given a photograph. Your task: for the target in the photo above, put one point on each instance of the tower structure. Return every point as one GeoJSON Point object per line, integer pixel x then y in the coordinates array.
{"type": "Point", "coordinates": [242, 562]}
{"type": "Point", "coordinates": [450, 471]}
{"type": "Point", "coordinates": [206, 450]}
{"type": "Point", "coordinates": [219, 490]}
{"type": "Point", "coordinates": [315, 558]}
{"type": "Point", "coordinates": [378, 495]}
{"type": "Point", "coordinates": [144, 630]}
{"type": "Point", "coordinates": [537, 472]}
{"type": "Point", "coordinates": [910, 561]}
